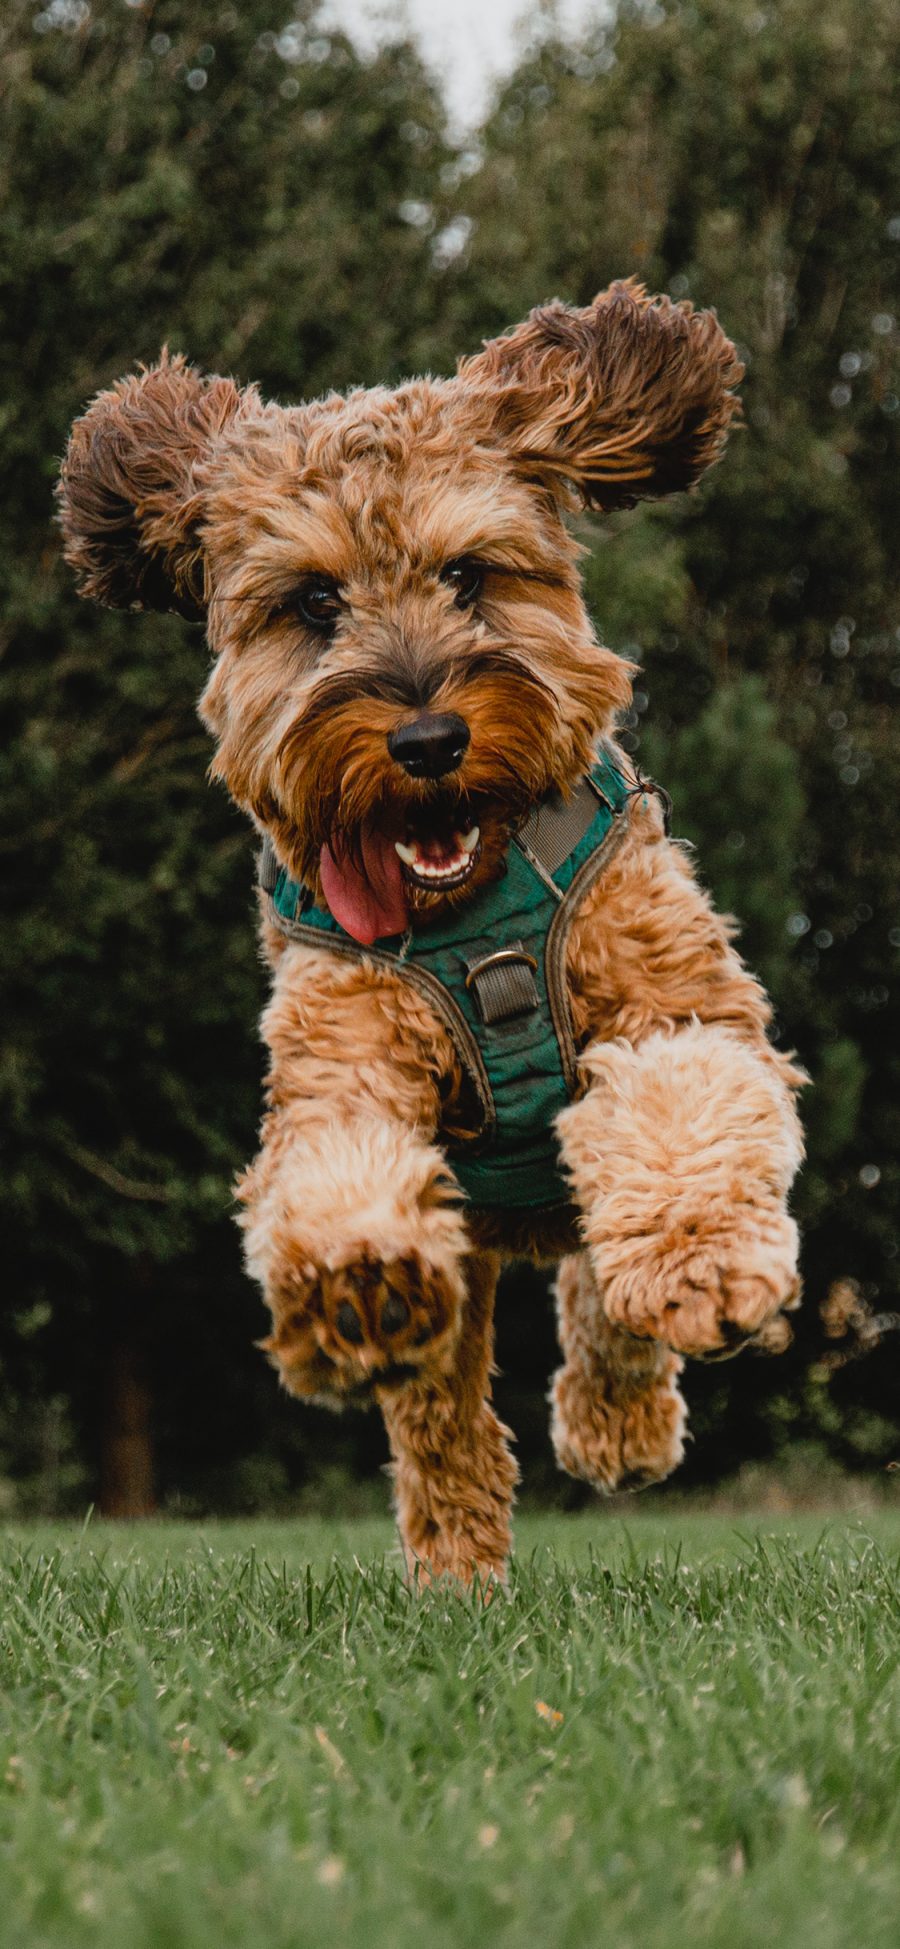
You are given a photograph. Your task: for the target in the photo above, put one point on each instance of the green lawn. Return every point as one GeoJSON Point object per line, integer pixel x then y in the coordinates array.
{"type": "Point", "coordinates": [669, 1732]}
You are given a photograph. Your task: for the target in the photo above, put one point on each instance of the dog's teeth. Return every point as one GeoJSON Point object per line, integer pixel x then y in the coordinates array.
{"type": "Point", "coordinates": [426, 868]}
{"type": "Point", "coordinates": [432, 870]}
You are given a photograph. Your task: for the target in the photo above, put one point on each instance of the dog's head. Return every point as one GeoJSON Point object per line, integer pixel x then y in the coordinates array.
{"type": "Point", "coordinates": [403, 662]}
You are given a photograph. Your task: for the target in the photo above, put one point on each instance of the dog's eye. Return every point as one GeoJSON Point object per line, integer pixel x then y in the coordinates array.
{"type": "Point", "coordinates": [465, 578]}
{"type": "Point", "coordinates": [318, 602]}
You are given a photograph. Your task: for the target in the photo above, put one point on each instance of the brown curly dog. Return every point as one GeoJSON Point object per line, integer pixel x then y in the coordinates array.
{"type": "Point", "coordinates": [504, 1018]}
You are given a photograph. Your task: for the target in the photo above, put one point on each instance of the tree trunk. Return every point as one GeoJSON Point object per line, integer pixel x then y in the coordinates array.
{"type": "Point", "coordinates": [126, 1452]}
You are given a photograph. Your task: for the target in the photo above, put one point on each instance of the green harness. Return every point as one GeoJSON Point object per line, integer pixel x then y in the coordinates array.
{"type": "Point", "coordinates": [495, 973]}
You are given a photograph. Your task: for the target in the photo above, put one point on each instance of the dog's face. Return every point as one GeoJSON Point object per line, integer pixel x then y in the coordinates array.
{"type": "Point", "coordinates": [403, 662]}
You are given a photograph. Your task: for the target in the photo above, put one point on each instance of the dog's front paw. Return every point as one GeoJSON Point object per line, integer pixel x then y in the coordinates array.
{"type": "Point", "coordinates": [703, 1285]}
{"type": "Point", "coordinates": [341, 1332]}
{"type": "Point", "coordinates": [356, 1235]}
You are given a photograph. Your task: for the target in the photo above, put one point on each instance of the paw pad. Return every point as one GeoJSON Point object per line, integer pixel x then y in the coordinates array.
{"type": "Point", "coordinates": [394, 1314]}
{"type": "Point", "coordinates": [363, 1325]}
{"type": "Point", "coordinates": [349, 1324]}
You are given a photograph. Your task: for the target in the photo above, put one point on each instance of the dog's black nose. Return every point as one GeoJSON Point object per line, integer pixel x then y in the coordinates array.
{"type": "Point", "coordinates": [431, 745]}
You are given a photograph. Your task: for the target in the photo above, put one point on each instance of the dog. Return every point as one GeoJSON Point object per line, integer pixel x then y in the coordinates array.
{"type": "Point", "coordinates": [504, 1020]}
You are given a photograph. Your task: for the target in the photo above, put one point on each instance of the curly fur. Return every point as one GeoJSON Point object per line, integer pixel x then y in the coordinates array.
{"type": "Point", "coordinates": [629, 397]}
{"type": "Point", "coordinates": [186, 492]}
{"type": "Point", "coordinates": [681, 1154]}
{"type": "Point", "coordinates": [618, 1415]}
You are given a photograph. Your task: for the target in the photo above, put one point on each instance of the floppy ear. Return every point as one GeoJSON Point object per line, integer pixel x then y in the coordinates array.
{"type": "Point", "coordinates": [129, 495]}
{"type": "Point", "coordinates": [627, 398]}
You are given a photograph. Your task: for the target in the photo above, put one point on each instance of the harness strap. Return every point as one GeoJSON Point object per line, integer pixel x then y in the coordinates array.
{"type": "Point", "coordinates": [556, 827]}
{"type": "Point", "coordinates": [503, 983]}
{"type": "Point", "coordinates": [267, 869]}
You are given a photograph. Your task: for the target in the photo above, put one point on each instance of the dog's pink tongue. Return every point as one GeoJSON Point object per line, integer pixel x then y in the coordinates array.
{"type": "Point", "coordinates": [368, 901]}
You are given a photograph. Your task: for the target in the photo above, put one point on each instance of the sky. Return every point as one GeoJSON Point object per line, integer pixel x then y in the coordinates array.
{"type": "Point", "coordinates": [468, 44]}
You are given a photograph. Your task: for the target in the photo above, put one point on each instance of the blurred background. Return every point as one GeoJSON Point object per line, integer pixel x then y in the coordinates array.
{"type": "Point", "coordinates": [316, 198]}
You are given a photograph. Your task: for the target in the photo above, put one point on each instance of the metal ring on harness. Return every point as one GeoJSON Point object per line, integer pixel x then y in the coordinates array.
{"type": "Point", "coordinates": [502, 984]}
{"type": "Point", "coordinates": [491, 961]}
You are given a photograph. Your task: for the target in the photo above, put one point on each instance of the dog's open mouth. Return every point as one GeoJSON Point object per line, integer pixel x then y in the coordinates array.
{"type": "Point", "coordinates": [369, 887]}
{"type": "Point", "coordinates": [437, 862]}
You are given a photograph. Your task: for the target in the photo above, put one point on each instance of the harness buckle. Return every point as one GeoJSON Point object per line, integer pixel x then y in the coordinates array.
{"type": "Point", "coordinates": [502, 984]}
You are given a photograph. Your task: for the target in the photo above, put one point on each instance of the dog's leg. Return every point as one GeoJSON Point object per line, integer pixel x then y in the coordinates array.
{"type": "Point", "coordinates": [618, 1415]}
{"type": "Point", "coordinates": [453, 1473]}
{"type": "Point", "coordinates": [681, 1155]}
{"type": "Point", "coordinates": [353, 1231]}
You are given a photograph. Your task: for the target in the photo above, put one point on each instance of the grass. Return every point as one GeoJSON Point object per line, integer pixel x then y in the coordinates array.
{"type": "Point", "coordinates": [669, 1733]}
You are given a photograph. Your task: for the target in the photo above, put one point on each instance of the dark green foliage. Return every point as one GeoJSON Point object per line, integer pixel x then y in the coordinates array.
{"type": "Point", "coordinates": [272, 205]}
{"type": "Point", "coordinates": [739, 800]}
